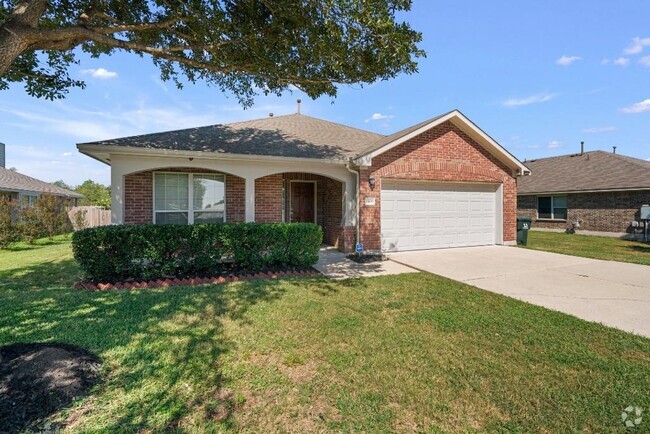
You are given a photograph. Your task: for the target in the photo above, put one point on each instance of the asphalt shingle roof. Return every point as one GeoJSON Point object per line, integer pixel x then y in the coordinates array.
{"type": "Point", "coordinates": [594, 170]}
{"type": "Point", "coordinates": [13, 181]}
{"type": "Point", "coordinates": [285, 136]}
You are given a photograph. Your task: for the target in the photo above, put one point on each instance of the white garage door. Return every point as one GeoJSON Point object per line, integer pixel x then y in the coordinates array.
{"type": "Point", "coordinates": [416, 216]}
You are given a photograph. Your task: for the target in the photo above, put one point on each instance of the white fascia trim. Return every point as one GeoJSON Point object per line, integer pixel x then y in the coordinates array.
{"type": "Point", "coordinates": [94, 150]}
{"type": "Point", "coordinates": [610, 190]}
{"type": "Point", "coordinates": [455, 115]}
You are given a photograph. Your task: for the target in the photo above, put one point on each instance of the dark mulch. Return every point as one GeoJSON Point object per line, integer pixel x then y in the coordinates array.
{"type": "Point", "coordinates": [36, 380]}
{"type": "Point", "coordinates": [366, 258]}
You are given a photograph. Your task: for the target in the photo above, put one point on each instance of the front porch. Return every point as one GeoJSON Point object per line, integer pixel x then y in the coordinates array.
{"type": "Point", "coordinates": [173, 191]}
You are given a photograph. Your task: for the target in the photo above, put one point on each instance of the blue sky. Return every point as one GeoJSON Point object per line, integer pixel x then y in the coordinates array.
{"type": "Point", "coordinates": [539, 77]}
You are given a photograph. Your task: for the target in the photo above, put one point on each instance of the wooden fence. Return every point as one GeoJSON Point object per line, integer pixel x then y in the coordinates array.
{"type": "Point", "coordinates": [89, 217]}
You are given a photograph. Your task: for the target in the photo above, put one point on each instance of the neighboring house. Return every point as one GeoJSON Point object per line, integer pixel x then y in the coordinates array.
{"type": "Point", "coordinates": [441, 183]}
{"type": "Point", "coordinates": [25, 189]}
{"type": "Point", "coordinates": [600, 190]}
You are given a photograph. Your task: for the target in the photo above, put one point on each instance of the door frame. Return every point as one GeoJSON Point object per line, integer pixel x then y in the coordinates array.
{"type": "Point", "coordinates": [291, 182]}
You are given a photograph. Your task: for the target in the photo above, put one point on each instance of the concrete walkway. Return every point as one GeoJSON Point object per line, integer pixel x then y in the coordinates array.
{"type": "Point", "coordinates": [616, 294]}
{"type": "Point", "coordinates": [335, 265]}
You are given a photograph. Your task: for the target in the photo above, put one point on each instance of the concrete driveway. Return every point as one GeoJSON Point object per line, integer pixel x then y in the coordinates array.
{"type": "Point", "coordinates": [613, 293]}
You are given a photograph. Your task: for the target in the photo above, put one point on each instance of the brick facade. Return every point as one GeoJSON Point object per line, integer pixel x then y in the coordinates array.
{"type": "Point", "coordinates": [601, 212]}
{"type": "Point", "coordinates": [138, 196]}
{"type": "Point", "coordinates": [329, 203]}
{"type": "Point", "coordinates": [443, 153]}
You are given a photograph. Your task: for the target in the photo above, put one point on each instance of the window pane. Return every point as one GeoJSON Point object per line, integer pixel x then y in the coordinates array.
{"type": "Point", "coordinates": [559, 201]}
{"type": "Point", "coordinates": [171, 191]}
{"type": "Point", "coordinates": [171, 218]}
{"type": "Point", "coordinates": [208, 193]}
{"type": "Point", "coordinates": [208, 217]}
{"type": "Point", "coordinates": [544, 208]}
{"type": "Point", "coordinates": [559, 214]}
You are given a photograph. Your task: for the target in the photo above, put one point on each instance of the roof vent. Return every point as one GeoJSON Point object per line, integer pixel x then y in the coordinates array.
{"type": "Point", "coordinates": [582, 148]}
{"type": "Point", "coordinates": [270, 115]}
{"type": "Point", "coordinates": [2, 155]}
{"type": "Point", "coordinates": [614, 149]}
{"type": "Point", "coordinates": [299, 102]}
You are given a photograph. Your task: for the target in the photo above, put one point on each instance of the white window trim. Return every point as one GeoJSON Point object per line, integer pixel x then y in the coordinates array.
{"type": "Point", "coordinates": [190, 200]}
{"type": "Point", "coordinates": [553, 208]}
{"type": "Point", "coordinates": [291, 182]}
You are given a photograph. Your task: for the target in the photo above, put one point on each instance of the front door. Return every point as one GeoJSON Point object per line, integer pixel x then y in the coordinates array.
{"type": "Point", "coordinates": [302, 202]}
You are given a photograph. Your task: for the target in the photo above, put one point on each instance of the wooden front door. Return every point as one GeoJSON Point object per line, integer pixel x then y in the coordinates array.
{"type": "Point", "coordinates": [303, 205]}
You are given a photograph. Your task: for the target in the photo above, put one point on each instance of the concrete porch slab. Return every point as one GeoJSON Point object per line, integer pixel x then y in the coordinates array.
{"type": "Point", "coordinates": [335, 265]}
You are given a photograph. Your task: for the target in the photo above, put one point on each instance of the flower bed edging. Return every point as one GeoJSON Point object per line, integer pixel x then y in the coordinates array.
{"type": "Point", "coordinates": [160, 283]}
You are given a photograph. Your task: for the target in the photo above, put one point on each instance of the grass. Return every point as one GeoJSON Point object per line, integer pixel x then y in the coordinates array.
{"type": "Point", "coordinates": [607, 248]}
{"type": "Point", "coordinates": [414, 352]}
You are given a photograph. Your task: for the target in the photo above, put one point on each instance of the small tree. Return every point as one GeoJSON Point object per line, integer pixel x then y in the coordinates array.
{"type": "Point", "coordinates": [95, 194]}
{"type": "Point", "coordinates": [79, 219]}
{"type": "Point", "coordinates": [31, 227]}
{"type": "Point", "coordinates": [53, 215]}
{"type": "Point", "coordinates": [9, 232]}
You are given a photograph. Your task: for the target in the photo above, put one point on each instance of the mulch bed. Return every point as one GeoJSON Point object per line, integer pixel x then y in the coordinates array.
{"type": "Point", "coordinates": [367, 258]}
{"type": "Point", "coordinates": [175, 281]}
{"type": "Point", "coordinates": [36, 380]}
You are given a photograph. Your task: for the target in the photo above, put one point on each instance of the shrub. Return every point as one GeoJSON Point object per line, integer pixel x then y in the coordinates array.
{"type": "Point", "coordinates": [9, 232]}
{"type": "Point", "coordinates": [31, 227]}
{"type": "Point", "coordinates": [53, 215]}
{"type": "Point", "coordinates": [113, 253]}
{"type": "Point", "coordinates": [79, 219]}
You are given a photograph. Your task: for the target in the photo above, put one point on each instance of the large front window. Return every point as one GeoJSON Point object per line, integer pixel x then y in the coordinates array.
{"type": "Point", "coordinates": [187, 198]}
{"type": "Point", "coordinates": [552, 207]}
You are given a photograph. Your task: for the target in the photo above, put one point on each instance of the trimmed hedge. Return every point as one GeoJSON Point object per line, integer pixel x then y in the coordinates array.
{"type": "Point", "coordinates": [115, 253]}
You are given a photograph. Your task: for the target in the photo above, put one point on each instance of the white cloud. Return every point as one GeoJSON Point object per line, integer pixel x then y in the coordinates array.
{"type": "Point", "coordinates": [645, 61]}
{"type": "Point", "coordinates": [533, 99]}
{"type": "Point", "coordinates": [567, 60]}
{"type": "Point", "coordinates": [599, 130]}
{"type": "Point", "coordinates": [637, 45]}
{"type": "Point", "coordinates": [553, 144]}
{"type": "Point", "coordinates": [621, 61]}
{"type": "Point", "coordinates": [102, 73]}
{"type": "Point", "coordinates": [379, 117]}
{"type": "Point", "coordinates": [605, 61]}
{"type": "Point", "coordinates": [638, 107]}
{"type": "Point", "coordinates": [67, 154]}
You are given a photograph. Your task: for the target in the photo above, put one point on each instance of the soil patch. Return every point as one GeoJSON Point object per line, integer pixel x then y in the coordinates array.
{"type": "Point", "coordinates": [36, 380]}
{"type": "Point", "coordinates": [364, 259]}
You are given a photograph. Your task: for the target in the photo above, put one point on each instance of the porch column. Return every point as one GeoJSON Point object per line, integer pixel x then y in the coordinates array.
{"type": "Point", "coordinates": [250, 199]}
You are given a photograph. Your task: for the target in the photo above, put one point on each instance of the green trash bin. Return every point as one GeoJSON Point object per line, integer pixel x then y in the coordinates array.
{"type": "Point", "coordinates": [523, 225]}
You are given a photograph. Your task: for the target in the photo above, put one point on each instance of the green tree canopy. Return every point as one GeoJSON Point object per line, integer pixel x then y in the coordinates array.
{"type": "Point", "coordinates": [94, 194]}
{"type": "Point", "coordinates": [240, 46]}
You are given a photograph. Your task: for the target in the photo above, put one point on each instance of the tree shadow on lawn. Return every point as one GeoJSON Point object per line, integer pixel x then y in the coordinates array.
{"type": "Point", "coordinates": [21, 247]}
{"type": "Point", "coordinates": [161, 347]}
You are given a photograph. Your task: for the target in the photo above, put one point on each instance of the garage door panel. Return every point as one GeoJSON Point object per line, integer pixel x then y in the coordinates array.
{"type": "Point", "coordinates": [436, 215]}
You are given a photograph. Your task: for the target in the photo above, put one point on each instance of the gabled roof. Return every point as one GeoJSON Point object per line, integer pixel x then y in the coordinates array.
{"type": "Point", "coordinates": [462, 122]}
{"type": "Point", "coordinates": [591, 171]}
{"type": "Point", "coordinates": [14, 181]}
{"type": "Point", "coordinates": [296, 135]}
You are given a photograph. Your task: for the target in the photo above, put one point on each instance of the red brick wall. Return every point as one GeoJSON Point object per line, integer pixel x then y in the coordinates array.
{"type": "Point", "coordinates": [138, 195]}
{"type": "Point", "coordinates": [268, 198]}
{"type": "Point", "coordinates": [602, 212]}
{"type": "Point", "coordinates": [444, 153]}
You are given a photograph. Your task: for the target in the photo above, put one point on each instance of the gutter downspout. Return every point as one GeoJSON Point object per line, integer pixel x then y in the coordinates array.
{"type": "Point", "coordinates": [358, 223]}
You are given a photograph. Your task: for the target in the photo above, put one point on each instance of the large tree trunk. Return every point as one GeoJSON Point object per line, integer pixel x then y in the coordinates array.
{"type": "Point", "coordinates": [14, 33]}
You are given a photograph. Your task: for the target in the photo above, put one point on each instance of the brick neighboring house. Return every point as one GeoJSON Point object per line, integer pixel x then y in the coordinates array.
{"type": "Point", "coordinates": [441, 183]}
{"type": "Point", "coordinates": [601, 190]}
{"type": "Point", "coordinates": [25, 189]}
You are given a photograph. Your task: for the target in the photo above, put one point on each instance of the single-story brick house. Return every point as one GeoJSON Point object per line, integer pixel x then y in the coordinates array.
{"type": "Point", "coordinates": [601, 190]}
{"type": "Point", "coordinates": [440, 183]}
{"type": "Point", "coordinates": [25, 189]}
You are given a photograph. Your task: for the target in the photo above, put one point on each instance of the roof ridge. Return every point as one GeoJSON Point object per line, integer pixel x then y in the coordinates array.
{"type": "Point", "coordinates": [633, 160]}
{"type": "Point", "coordinates": [575, 154]}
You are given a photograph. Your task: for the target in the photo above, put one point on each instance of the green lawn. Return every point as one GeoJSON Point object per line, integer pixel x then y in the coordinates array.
{"type": "Point", "coordinates": [610, 249]}
{"type": "Point", "coordinates": [403, 353]}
